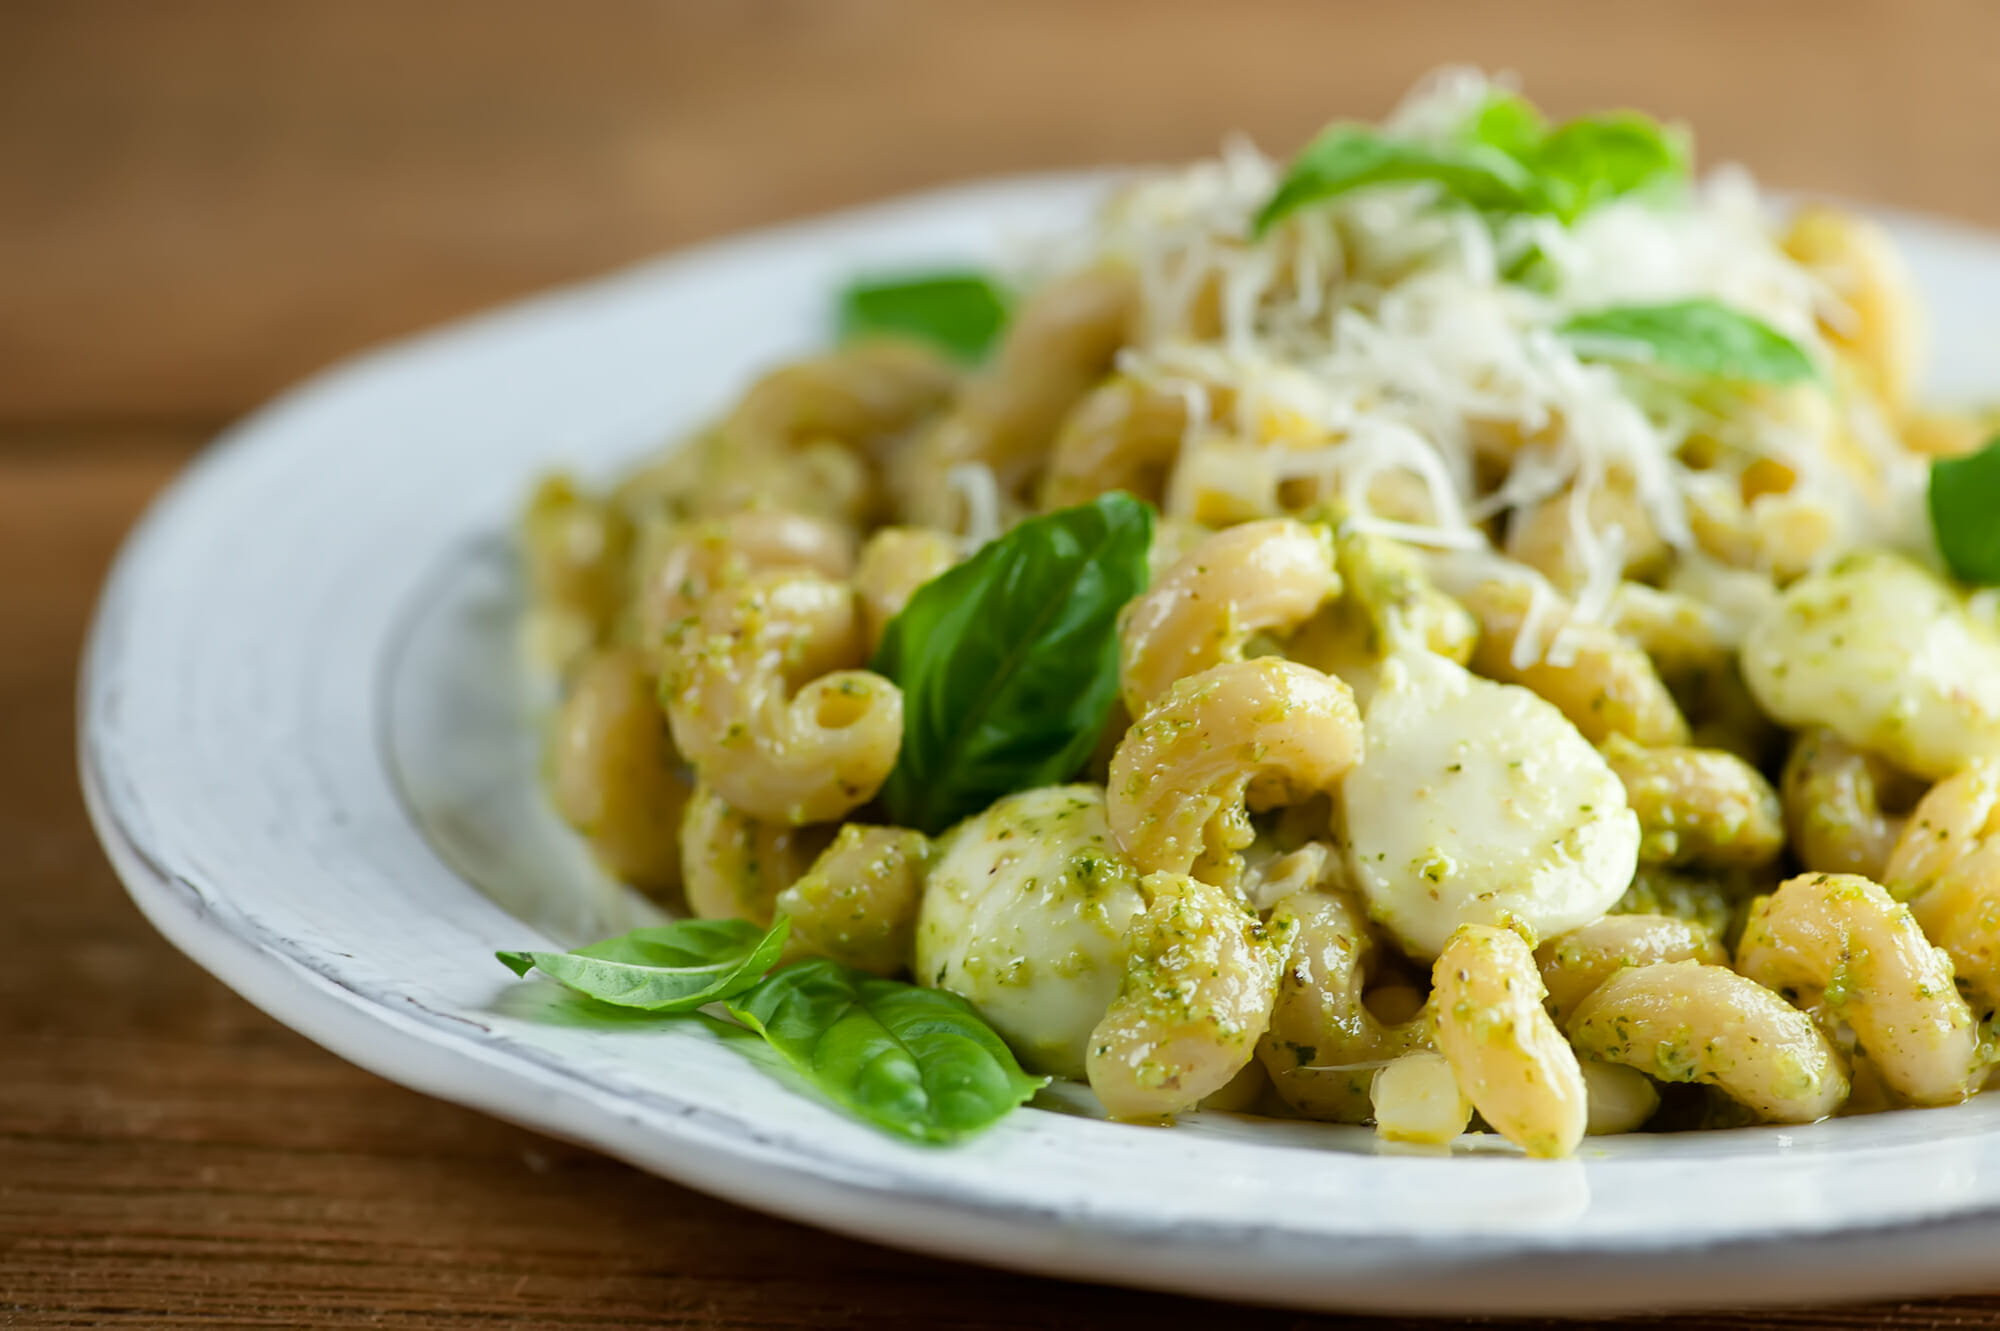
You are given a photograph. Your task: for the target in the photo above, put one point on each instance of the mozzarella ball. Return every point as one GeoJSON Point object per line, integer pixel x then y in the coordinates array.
{"type": "Point", "coordinates": [1478, 803]}
{"type": "Point", "coordinates": [1885, 655]}
{"type": "Point", "coordinates": [1024, 915]}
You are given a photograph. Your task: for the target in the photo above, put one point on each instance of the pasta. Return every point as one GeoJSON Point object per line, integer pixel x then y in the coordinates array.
{"type": "Point", "coordinates": [1501, 1043]}
{"type": "Point", "coordinates": [1257, 578]}
{"type": "Point", "coordinates": [1201, 973]}
{"type": "Point", "coordinates": [801, 757]}
{"type": "Point", "coordinates": [1266, 731]}
{"type": "Point", "coordinates": [1324, 1044]}
{"type": "Point", "coordinates": [613, 772]}
{"type": "Point", "coordinates": [733, 866]}
{"type": "Point", "coordinates": [1849, 951]}
{"type": "Point", "coordinates": [1451, 664]}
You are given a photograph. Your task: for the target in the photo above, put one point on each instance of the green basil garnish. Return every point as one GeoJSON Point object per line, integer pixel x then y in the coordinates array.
{"type": "Point", "coordinates": [1351, 157]}
{"type": "Point", "coordinates": [1965, 513]}
{"type": "Point", "coordinates": [1009, 661]}
{"type": "Point", "coordinates": [1594, 159]}
{"type": "Point", "coordinates": [916, 1062]}
{"type": "Point", "coordinates": [1505, 160]}
{"type": "Point", "coordinates": [962, 313]}
{"type": "Point", "coordinates": [1510, 123]}
{"type": "Point", "coordinates": [1700, 337]}
{"type": "Point", "coordinates": [672, 968]}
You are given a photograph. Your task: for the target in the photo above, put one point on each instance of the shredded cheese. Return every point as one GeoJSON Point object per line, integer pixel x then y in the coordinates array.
{"type": "Point", "coordinates": [1379, 333]}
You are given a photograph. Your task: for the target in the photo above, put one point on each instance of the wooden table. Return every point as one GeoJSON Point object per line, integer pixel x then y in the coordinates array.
{"type": "Point", "coordinates": [201, 201]}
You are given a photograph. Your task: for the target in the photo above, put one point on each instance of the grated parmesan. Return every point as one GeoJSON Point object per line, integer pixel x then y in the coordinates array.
{"type": "Point", "coordinates": [1378, 334]}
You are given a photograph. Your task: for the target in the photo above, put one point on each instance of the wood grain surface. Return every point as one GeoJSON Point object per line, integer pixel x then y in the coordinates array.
{"type": "Point", "coordinates": [201, 200]}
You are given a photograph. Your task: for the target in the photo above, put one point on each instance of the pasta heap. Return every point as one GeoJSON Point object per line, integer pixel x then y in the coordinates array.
{"type": "Point", "coordinates": [1544, 702]}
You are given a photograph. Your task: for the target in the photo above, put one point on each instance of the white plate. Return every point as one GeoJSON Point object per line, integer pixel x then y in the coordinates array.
{"type": "Point", "coordinates": [306, 750]}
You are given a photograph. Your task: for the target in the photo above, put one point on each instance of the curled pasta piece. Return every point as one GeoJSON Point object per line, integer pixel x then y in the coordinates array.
{"type": "Point", "coordinates": [1325, 1043]}
{"type": "Point", "coordinates": [895, 561]}
{"type": "Point", "coordinates": [1947, 866]}
{"type": "Point", "coordinates": [574, 551]}
{"type": "Point", "coordinates": [690, 562]}
{"type": "Point", "coordinates": [1698, 806]}
{"type": "Point", "coordinates": [1267, 730]}
{"type": "Point", "coordinates": [1200, 976]}
{"type": "Point", "coordinates": [1574, 965]}
{"type": "Point", "coordinates": [1878, 324]}
{"type": "Point", "coordinates": [1514, 1065]}
{"type": "Point", "coordinates": [818, 435]}
{"type": "Point", "coordinates": [1683, 633]}
{"type": "Point", "coordinates": [858, 902]}
{"type": "Point", "coordinates": [1416, 1098]}
{"type": "Point", "coordinates": [862, 395]}
{"type": "Point", "coordinates": [821, 478]}
{"type": "Point", "coordinates": [1686, 1021]}
{"type": "Point", "coordinates": [797, 758]}
{"type": "Point", "coordinates": [1544, 537]}
{"type": "Point", "coordinates": [1124, 436]}
{"type": "Point", "coordinates": [1060, 344]}
{"type": "Point", "coordinates": [1781, 532]}
{"type": "Point", "coordinates": [613, 772]}
{"type": "Point", "coordinates": [1847, 949]}
{"type": "Point", "coordinates": [733, 866]}
{"type": "Point", "coordinates": [1259, 577]}
{"type": "Point", "coordinates": [1606, 687]}
{"type": "Point", "coordinates": [1834, 797]}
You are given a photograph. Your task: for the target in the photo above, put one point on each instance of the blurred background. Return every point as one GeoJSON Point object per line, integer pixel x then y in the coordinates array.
{"type": "Point", "coordinates": [203, 200]}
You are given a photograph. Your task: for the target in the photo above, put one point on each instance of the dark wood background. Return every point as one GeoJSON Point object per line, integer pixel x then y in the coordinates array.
{"type": "Point", "coordinates": [202, 201]}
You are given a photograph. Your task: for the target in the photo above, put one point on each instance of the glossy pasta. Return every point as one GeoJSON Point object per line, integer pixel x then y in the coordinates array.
{"type": "Point", "coordinates": [1517, 734]}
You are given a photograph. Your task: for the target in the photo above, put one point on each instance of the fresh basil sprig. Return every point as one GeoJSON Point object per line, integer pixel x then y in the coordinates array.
{"type": "Point", "coordinates": [1965, 514]}
{"type": "Point", "coordinates": [1698, 337]}
{"type": "Point", "coordinates": [916, 1062]}
{"type": "Point", "coordinates": [1504, 160]}
{"type": "Point", "coordinates": [961, 312]}
{"type": "Point", "coordinates": [1594, 159]}
{"type": "Point", "coordinates": [1351, 157]}
{"type": "Point", "coordinates": [673, 968]}
{"type": "Point", "coordinates": [1009, 662]}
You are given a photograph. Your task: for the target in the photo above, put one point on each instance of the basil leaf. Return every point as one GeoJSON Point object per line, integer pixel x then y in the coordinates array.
{"type": "Point", "coordinates": [1965, 513]}
{"type": "Point", "coordinates": [1349, 157]}
{"type": "Point", "coordinates": [1594, 159]}
{"type": "Point", "coordinates": [959, 312]}
{"type": "Point", "coordinates": [917, 1062]}
{"type": "Point", "coordinates": [1009, 661]}
{"type": "Point", "coordinates": [1509, 123]}
{"type": "Point", "coordinates": [672, 968]}
{"type": "Point", "coordinates": [1505, 159]}
{"type": "Point", "coordinates": [1702, 337]}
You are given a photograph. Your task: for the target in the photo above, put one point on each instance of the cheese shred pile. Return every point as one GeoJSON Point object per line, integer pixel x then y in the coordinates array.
{"type": "Point", "coordinates": [1404, 357]}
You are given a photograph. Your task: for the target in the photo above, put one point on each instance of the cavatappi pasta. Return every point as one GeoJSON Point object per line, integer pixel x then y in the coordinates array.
{"type": "Point", "coordinates": [1518, 731]}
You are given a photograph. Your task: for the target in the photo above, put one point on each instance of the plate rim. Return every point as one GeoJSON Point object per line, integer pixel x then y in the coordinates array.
{"type": "Point", "coordinates": [486, 1074]}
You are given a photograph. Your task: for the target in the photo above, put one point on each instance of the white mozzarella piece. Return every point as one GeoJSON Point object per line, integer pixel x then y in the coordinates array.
{"type": "Point", "coordinates": [1888, 657]}
{"type": "Point", "coordinates": [1479, 803]}
{"type": "Point", "coordinates": [1024, 915]}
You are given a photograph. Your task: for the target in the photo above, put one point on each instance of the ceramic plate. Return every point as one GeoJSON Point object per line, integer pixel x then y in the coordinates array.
{"type": "Point", "coordinates": [310, 756]}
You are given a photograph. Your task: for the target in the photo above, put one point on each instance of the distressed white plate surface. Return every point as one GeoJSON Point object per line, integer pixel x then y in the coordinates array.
{"type": "Point", "coordinates": [308, 753]}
